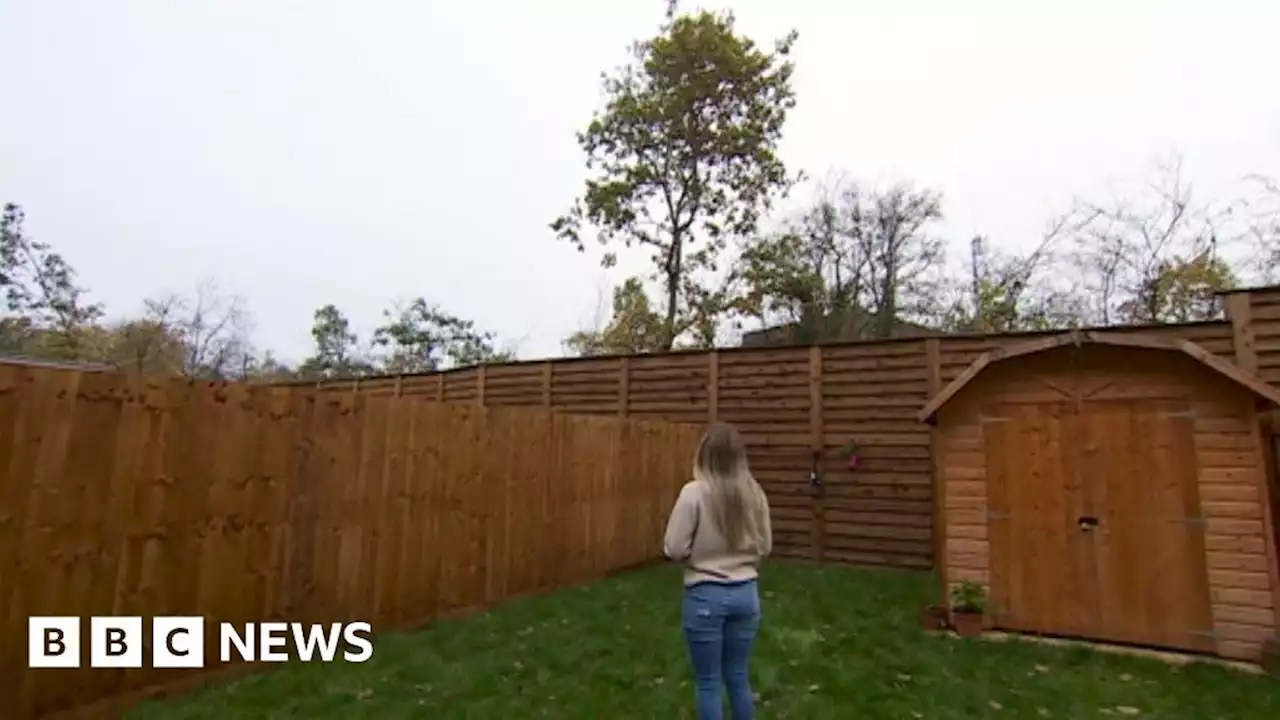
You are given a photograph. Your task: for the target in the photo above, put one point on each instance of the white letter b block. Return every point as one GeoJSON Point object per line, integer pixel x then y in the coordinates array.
{"type": "Point", "coordinates": [115, 642]}
{"type": "Point", "coordinates": [177, 642]}
{"type": "Point", "coordinates": [53, 642]}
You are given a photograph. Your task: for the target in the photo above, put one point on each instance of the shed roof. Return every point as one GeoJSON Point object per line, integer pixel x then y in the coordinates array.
{"type": "Point", "coordinates": [1078, 338]}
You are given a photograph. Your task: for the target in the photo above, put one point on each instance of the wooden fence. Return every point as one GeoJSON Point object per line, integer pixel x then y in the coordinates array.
{"type": "Point", "coordinates": [136, 497]}
{"type": "Point", "coordinates": [791, 403]}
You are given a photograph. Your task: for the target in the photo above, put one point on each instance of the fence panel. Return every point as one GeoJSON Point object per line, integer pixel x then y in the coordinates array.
{"type": "Point", "coordinates": [791, 403]}
{"type": "Point", "coordinates": [142, 497]}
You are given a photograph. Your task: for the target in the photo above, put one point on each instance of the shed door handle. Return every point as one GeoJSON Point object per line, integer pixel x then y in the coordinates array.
{"type": "Point", "coordinates": [1087, 522]}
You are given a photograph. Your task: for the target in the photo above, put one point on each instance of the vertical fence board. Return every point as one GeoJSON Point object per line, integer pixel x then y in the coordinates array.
{"type": "Point", "coordinates": [133, 496]}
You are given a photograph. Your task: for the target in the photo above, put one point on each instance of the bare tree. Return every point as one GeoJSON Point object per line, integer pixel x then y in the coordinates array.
{"type": "Point", "coordinates": [214, 329]}
{"type": "Point", "coordinates": [893, 230]}
{"type": "Point", "coordinates": [1140, 254]}
{"type": "Point", "coordinates": [1262, 210]}
{"type": "Point", "coordinates": [1004, 292]}
{"type": "Point", "coordinates": [850, 266]}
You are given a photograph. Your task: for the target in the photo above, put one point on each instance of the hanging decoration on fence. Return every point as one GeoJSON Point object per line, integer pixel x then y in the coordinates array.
{"type": "Point", "coordinates": [849, 451]}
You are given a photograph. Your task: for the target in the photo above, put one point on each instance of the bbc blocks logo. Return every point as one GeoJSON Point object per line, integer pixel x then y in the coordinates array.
{"type": "Point", "coordinates": [179, 642]}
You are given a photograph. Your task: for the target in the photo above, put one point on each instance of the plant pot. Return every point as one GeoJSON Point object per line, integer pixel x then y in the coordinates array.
{"type": "Point", "coordinates": [852, 462]}
{"type": "Point", "coordinates": [933, 617]}
{"type": "Point", "coordinates": [967, 624]}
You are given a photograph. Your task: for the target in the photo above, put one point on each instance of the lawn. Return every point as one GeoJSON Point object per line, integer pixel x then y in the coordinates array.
{"type": "Point", "coordinates": [836, 643]}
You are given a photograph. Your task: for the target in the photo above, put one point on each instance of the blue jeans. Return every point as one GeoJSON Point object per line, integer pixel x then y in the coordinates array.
{"type": "Point", "coordinates": [720, 624]}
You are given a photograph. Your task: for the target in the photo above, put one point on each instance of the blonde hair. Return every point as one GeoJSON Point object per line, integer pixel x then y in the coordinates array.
{"type": "Point", "coordinates": [735, 501]}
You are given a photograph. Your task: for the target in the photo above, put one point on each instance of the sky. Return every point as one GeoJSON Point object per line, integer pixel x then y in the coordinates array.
{"type": "Point", "coordinates": [363, 153]}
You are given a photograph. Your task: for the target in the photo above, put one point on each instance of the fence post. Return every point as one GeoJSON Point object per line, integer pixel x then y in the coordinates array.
{"type": "Point", "coordinates": [399, 385]}
{"type": "Point", "coordinates": [439, 386]}
{"type": "Point", "coordinates": [817, 446]}
{"type": "Point", "coordinates": [1240, 313]}
{"type": "Point", "coordinates": [548, 369]}
{"type": "Point", "coordinates": [624, 386]}
{"type": "Point", "coordinates": [933, 386]}
{"type": "Point", "coordinates": [713, 385]}
{"type": "Point", "coordinates": [480, 385]}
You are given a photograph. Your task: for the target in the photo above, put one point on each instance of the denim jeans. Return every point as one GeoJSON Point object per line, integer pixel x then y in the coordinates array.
{"type": "Point", "coordinates": [720, 624]}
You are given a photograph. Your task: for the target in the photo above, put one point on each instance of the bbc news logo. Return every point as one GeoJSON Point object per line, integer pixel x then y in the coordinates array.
{"type": "Point", "coordinates": [179, 642]}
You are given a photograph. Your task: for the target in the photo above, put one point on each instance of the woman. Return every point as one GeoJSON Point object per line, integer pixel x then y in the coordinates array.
{"type": "Point", "coordinates": [720, 529]}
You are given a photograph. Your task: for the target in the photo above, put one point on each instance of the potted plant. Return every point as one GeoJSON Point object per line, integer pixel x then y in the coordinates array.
{"type": "Point", "coordinates": [933, 617]}
{"type": "Point", "coordinates": [850, 452]}
{"type": "Point", "coordinates": [968, 608]}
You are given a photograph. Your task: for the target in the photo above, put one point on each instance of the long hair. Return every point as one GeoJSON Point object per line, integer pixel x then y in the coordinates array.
{"type": "Point", "coordinates": [735, 500]}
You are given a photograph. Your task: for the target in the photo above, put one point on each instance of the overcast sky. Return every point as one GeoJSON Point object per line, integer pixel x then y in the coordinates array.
{"type": "Point", "coordinates": [356, 153]}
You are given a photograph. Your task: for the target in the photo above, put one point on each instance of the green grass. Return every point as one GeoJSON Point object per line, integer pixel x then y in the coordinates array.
{"type": "Point", "coordinates": [835, 643]}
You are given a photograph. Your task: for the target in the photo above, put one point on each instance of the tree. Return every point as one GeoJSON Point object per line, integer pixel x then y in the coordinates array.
{"type": "Point", "coordinates": [1154, 256]}
{"type": "Point", "coordinates": [265, 369]}
{"type": "Point", "coordinates": [685, 155]}
{"type": "Point", "coordinates": [1181, 290]}
{"type": "Point", "coordinates": [849, 267]}
{"type": "Point", "coordinates": [143, 346]}
{"type": "Point", "coordinates": [45, 311]}
{"type": "Point", "coordinates": [337, 351]}
{"type": "Point", "coordinates": [1263, 213]}
{"type": "Point", "coordinates": [806, 277]}
{"type": "Point", "coordinates": [634, 328]}
{"type": "Point", "coordinates": [213, 329]}
{"type": "Point", "coordinates": [892, 228]}
{"type": "Point", "coordinates": [420, 337]}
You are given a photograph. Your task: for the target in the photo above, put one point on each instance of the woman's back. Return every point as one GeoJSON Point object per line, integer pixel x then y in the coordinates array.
{"type": "Point", "coordinates": [693, 535]}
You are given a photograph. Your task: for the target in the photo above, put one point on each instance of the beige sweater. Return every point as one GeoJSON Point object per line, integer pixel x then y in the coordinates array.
{"type": "Point", "coordinates": [693, 539]}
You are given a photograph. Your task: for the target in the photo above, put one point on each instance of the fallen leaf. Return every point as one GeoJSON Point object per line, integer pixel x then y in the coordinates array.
{"type": "Point", "coordinates": [1128, 710]}
{"type": "Point", "coordinates": [1042, 668]}
{"type": "Point", "coordinates": [904, 677]}
{"type": "Point", "coordinates": [1125, 677]}
{"type": "Point", "coordinates": [364, 694]}
{"type": "Point", "coordinates": [813, 688]}
{"type": "Point", "coordinates": [996, 706]}
{"type": "Point", "coordinates": [1044, 712]}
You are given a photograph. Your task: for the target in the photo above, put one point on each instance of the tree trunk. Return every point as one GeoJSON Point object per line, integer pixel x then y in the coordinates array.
{"type": "Point", "coordinates": [674, 265]}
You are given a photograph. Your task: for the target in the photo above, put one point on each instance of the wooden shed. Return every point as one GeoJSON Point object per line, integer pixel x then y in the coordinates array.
{"type": "Point", "coordinates": [1112, 487]}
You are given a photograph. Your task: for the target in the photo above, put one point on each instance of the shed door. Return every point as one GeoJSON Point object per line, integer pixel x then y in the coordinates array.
{"type": "Point", "coordinates": [1094, 522]}
{"type": "Point", "coordinates": [1042, 574]}
{"type": "Point", "coordinates": [1140, 458]}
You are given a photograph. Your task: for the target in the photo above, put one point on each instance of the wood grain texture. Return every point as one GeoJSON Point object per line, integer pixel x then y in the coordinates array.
{"type": "Point", "coordinates": [130, 496]}
{"type": "Point", "coordinates": [1164, 451]}
{"type": "Point", "coordinates": [870, 393]}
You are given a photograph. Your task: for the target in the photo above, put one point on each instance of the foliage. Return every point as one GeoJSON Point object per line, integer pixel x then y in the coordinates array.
{"type": "Point", "coordinates": [211, 328]}
{"type": "Point", "coordinates": [44, 309]}
{"type": "Point", "coordinates": [848, 267]}
{"type": "Point", "coordinates": [1153, 254]}
{"type": "Point", "coordinates": [144, 346]}
{"type": "Point", "coordinates": [337, 351]}
{"type": "Point", "coordinates": [633, 329]}
{"type": "Point", "coordinates": [685, 155]}
{"type": "Point", "coordinates": [420, 337]}
{"type": "Point", "coordinates": [1013, 292]}
{"type": "Point", "coordinates": [1178, 290]}
{"type": "Point", "coordinates": [969, 597]}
